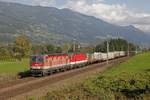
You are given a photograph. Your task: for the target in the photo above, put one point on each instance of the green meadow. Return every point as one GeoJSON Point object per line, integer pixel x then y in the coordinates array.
{"type": "Point", "coordinates": [126, 81]}
{"type": "Point", "coordinates": [13, 67]}
{"type": "Point", "coordinates": [137, 64]}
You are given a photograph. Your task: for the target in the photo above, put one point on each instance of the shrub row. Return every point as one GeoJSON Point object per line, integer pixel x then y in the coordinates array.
{"type": "Point", "coordinates": [102, 87]}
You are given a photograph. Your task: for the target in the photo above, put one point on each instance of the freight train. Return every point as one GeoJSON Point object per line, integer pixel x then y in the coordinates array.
{"type": "Point", "coordinates": [48, 64]}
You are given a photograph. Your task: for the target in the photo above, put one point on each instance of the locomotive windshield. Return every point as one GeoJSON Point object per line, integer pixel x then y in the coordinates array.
{"type": "Point", "coordinates": [37, 59]}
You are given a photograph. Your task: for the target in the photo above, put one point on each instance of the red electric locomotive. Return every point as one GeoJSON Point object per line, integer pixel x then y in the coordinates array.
{"type": "Point", "coordinates": [47, 64]}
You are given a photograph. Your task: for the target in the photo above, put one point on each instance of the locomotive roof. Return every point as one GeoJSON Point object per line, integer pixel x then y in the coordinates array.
{"type": "Point", "coordinates": [50, 54]}
{"type": "Point", "coordinates": [55, 54]}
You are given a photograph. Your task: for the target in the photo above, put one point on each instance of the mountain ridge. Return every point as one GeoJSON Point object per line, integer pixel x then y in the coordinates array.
{"type": "Point", "coordinates": [52, 25]}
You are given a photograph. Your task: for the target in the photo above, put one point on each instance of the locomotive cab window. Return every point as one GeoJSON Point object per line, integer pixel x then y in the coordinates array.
{"type": "Point", "coordinates": [40, 59]}
{"type": "Point", "coordinates": [33, 59]}
{"type": "Point", "coordinates": [37, 59]}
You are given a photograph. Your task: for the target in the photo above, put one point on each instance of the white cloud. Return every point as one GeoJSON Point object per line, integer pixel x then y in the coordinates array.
{"type": "Point", "coordinates": [34, 2]}
{"type": "Point", "coordinates": [100, 10]}
{"type": "Point", "coordinates": [43, 2]}
{"type": "Point", "coordinates": [146, 28]}
{"type": "Point", "coordinates": [115, 13]}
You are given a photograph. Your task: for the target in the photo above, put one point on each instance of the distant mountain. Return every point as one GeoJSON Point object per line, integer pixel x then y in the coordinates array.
{"type": "Point", "coordinates": [52, 25]}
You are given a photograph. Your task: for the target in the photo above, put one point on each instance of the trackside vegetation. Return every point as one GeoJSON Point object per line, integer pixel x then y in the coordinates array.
{"type": "Point", "coordinates": [127, 81]}
{"type": "Point", "coordinates": [23, 47]}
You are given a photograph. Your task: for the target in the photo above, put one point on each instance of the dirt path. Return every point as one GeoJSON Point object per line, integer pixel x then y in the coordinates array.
{"type": "Point", "coordinates": [41, 86]}
{"type": "Point", "coordinates": [6, 84]}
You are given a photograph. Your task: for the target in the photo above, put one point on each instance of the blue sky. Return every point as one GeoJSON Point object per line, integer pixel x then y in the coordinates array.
{"type": "Point", "coordinates": [120, 12]}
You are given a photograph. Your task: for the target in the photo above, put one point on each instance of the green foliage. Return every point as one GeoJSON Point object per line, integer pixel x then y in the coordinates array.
{"type": "Point", "coordinates": [134, 85]}
{"type": "Point", "coordinates": [89, 49]}
{"type": "Point", "coordinates": [50, 49]}
{"type": "Point", "coordinates": [46, 49]}
{"type": "Point", "coordinates": [22, 46]}
{"type": "Point", "coordinates": [6, 53]}
{"type": "Point", "coordinates": [58, 50]}
{"type": "Point", "coordinates": [65, 47]}
{"type": "Point", "coordinates": [19, 49]}
{"type": "Point", "coordinates": [37, 49]}
{"type": "Point", "coordinates": [115, 45]}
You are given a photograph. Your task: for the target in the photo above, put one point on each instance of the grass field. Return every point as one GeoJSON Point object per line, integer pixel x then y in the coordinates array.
{"type": "Point", "coordinates": [14, 67]}
{"type": "Point", "coordinates": [127, 81]}
{"type": "Point", "coordinates": [139, 63]}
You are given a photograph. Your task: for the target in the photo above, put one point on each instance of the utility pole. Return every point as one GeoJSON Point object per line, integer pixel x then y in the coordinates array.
{"type": "Point", "coordinates": [128, 49]}
{"type": "Point", "coordinates": [74, 45]}
{"type": "Point", "coordinates": [107, 50]}
{"type": "Point", "coordinates": [136, 49]}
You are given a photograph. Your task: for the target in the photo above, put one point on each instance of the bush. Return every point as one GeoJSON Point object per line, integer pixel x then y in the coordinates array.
{"type": "Point", "coordinates": [120, 87]}
{"type": "Point", "coordinates": [134, 86]}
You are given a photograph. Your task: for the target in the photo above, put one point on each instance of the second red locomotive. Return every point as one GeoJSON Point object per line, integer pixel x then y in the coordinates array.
{"type": "Point", "coordinates": [47, 64]}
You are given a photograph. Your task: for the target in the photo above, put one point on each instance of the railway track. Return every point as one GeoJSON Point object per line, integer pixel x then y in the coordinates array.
{"type": "Point", "coordinates": [28, 84]}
